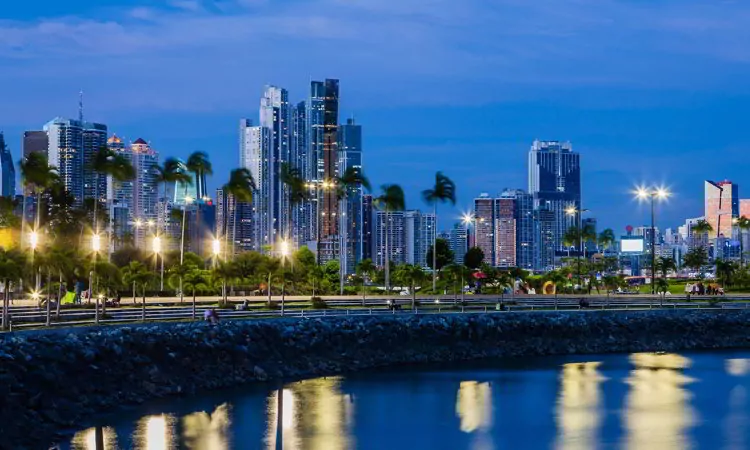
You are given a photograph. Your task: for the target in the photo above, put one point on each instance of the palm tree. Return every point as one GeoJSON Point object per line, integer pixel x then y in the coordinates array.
{"type": "Point", "coordinates": [172, 171]}
{"type": "Point", "coordinates": [352, 179]}
{"type": "Point", "coordinates": [109, 163]}
{"type": "Point", "coordinates": [199, 165]}
{"type": "Point", "coordinates": [413, 275]}
{"type": "Point", "coordinates": [292, 179]}
{"type": "Point", "coordinates": [664, 265]}
{"type": "Point", "coordinates": [136, 274]}
{"type": "Point", "coordinates": [606, 238]}
{"type": "Point", "coordinates": [11, 268]}
{"type": "Point", "coordinates": [66, 261]}
{"type": "Point", "coordinates": [196, 280]}
{"type": "Point", "coordinates": [365, 269]}
{"type": "Point", "coordinates": [240, 186]}
{"type": "Point", "coordinates": [702, 228]}
{"type": "Point", "coordinates": [36, 172]}
{"type": "Point", "coordinates": [443, 191]}
{"type": "Point", "coordinates": [390, 199]}
{"type": "Point", "coordinates": [743, 223]}
{"type": "Point", "coordinates": [224, 271]}
{"type": "Point", "coordinates": [724, 271]}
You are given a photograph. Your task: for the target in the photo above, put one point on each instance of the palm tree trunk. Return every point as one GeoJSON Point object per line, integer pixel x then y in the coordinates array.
{"type": "Point", "coordinates": [59, 300]}
{"type": "Point", "coordinates": [364, 291]}
{"type": "Point", "coordinates": [413, 298]}
{"type": "Point", "coordinates": [49, 299]}
{"type": "Point", "coordinates": [269, 288]}
{"type": "Point", "coordinates": [182, 248]}
{"type": "Point", "coordinates": [143, 302]}
{"type": "Point", "coordinates": [5, 305]}
{"type": "Point", "coordinates": [343, 246]}
{"type": "Point", "coordinates": [134, 301]}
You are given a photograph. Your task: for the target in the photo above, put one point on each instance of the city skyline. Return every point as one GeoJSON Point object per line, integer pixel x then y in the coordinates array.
{"type": "Point", "coordinates": [638, 115]}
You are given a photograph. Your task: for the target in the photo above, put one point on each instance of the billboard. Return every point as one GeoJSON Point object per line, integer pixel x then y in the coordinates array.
{"type": "Point", "coordinates": [631, 244]}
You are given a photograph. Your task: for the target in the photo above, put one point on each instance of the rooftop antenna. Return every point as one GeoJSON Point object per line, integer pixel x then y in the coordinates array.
{"type": "Point", "coordinates": [80, 106]}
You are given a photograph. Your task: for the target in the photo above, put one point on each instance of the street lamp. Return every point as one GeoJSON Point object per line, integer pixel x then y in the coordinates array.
{"type": "Point", "coordinates": [157, 251]}
{"type": "Point", "coordinates": [467, 219]}
{"type": "Point", "coordinates": [652, 193]}
{"type": "Point", "coordinates": [34, 243]}
{"type": "Point", "coordinates": [284, 250]}
{"type": "Point", "coordinates": [96, 246]}
{"type": "Point", "coordinates": [188, 201]}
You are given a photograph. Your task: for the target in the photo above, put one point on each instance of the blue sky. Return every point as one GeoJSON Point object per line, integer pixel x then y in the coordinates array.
{"type": "Point", "coordinates": [648, 91]}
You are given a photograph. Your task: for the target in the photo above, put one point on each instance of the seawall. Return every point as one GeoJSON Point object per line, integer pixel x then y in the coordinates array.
{"type": "Point", "coordinates": [60, 379]}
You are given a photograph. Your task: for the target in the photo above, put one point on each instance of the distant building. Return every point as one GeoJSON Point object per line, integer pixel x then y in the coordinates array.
{"type": "Point", "coordinates": [458, 241]}
{"type": "Point", "coordinates": [7, 170]}
{"type": "Point", "coordinates": [555, 183]}
{"type": "Point", "coordinates": [484, 236]}
{"type": "Point", "coordinates": [275, 116]}
{"type": "Point", "coordinates": [255, 148]}
{"type": "Point", "coordinates": [544, 239]}
{"type": "Point", "coordinates": [505, 231]}
{"type": "Point", "coordinates": [72, 147]}
{"type": "Point", "coordinates": [591, 247]}
{"type": "Point", "coordinates": [420, 233]}
{"type": "Point", "coordinates": [396, 232]}
{"type": "Point", "coordinates": [367, 227]}
{"type": "Point", "coordinates": [35, 142]}
{"type": "Point", "coordinates": [350, 156]}
{"type": "Point", "coordinates": [722, 205]}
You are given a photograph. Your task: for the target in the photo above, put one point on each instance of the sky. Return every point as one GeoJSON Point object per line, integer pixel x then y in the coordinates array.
{"type": "Point", "coordinates": [650, 92]}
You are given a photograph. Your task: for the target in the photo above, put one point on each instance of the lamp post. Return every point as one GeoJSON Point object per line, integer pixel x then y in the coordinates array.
{"type": "Point", "coordinates": [188, 200]}
{"type": "Point", "coordinates": [157, 252]}
{"type": "Point", "coordinates": [653, 193]}
{"type": "Point", "coordinates": [284, 250]}
{"type": "Point", "coordinates": [34, 243]}
{"type": "Point", "coordinates": [216, 248]}
{"type": "Point", "coordinates": [572, 211]}
{"type": "Point", "coordinates": [96, 246]}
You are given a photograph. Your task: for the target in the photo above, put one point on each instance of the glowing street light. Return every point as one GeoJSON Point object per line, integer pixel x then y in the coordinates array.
{"type": "Point", "coordinates": [96, 246]}
{"type": "Point", "coordinates": [96, 243]}
{"type": "Point", "coordinates": [156, 247]}
{"type": "Point", "coordinates": [654, 194]}
{"type": "Point", "coordinates": [216, 247]}
{"type": "Point", "coordinates": [33, 240]}
{"type": "Point", "coordinates": [284, 250]}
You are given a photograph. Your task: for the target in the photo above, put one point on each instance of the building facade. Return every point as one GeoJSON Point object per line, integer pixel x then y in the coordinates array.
{"type": "Point", "coordinates": [350, 211]}
{"type": "Point", "coordinates": [7, 170]}
{"type": "Point", "coordinates": [72, 145]}
{"type": "Point", "coordinates": [396, 237]}
{"type": "Point", "coordinates": [275, 116]}
{"type": "Point", "coordinates": [505, 231]}
{"type": "Point", "coordinates": [555, 183]}
{"type": "Point", "coordinates": [484, 226]}
{"type": "Point", "coordinates": [419, 229]}
{"type": "Point", "coordinates": [255, 149]}
{"type": "Point", "coordinates": [722, 206]}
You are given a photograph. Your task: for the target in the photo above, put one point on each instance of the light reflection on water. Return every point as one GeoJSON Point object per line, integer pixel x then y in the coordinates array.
{"type": "Point", "coordinates": [645, 400]}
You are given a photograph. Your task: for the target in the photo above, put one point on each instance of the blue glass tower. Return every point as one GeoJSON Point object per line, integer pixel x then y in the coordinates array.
{"type": "Point", "coordinates": [7, 170]}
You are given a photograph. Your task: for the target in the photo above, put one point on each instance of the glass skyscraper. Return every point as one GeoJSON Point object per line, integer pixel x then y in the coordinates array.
{"type": "Point", "coordinates": [350, 156]}
{"type": "Point", "coordinates": [72, 146]}
{"type": "Point", "coordinates": [555, 183]}
{"type": "Point", "coordinates": [275, 115]}
{"type": "Point", "coordinates": [7, 170]}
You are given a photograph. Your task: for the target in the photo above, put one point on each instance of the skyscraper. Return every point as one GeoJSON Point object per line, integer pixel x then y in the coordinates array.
{"type": "Point", "coordinates": [275, 115]}
{"type": "Point", "coordinates": [72, 146]}
{"type": "Point", "coordinates": [300, 159]}
{"type": "Point", "coordinates": [555, 182]}
{"type": "Point", "coordinates": [255, 148]}
{"type": "Point", "coordinates": [524, 215]}
{"type": "Point", "coordinates": [35, 141]}
{"type": "Point", "coordinates": [505, 230]}
{"type": "Point", "coordinates": [484, 229]}
{"type": "Point", "coordinates": [322, 128]}
{"type": "Point", "coordinates": [722, 204]}
{"type": "Point", "coordinates": [350, 156]}
{"type": "Point", "coordinates": [396, 250]}
{"type": "Point", "coordinates": [7, 170]}
{"type": "Point", "coordinates": [458, 241]}
{"type": "Point", "coordinates": [367, 226]}
{"type": "Point", "coordinates": [544, 238]}
{"type": "Point", "coordinates": [420, 233]}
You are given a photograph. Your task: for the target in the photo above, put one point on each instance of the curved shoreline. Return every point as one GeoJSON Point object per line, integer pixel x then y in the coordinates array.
{"type": "Point", "coordinates": [55, 381]}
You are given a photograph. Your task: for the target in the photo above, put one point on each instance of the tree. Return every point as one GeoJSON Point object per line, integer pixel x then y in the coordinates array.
{"type": "Point", "coordinates": [664, 265]}
{"type": "Point", "coordinates": [390, 199]}
{"type": "Point", "coordinates": [8, 218]}
{"type": "Point", "coordinates": [353, 179]}
{"type": "Point", "coordinates": [37, 173]}
{"type": "Point", "coordinates": [365, 269]}
{"type": "Point", "coordinates": [11, 269]}
{"type": "Point", "coordinates": [606, 239]}
{"type": "Point", "coordinates": [108, 163]}
{"type": "Point", "coordinates": [225, 272]}
{"type": "Point", "coordinates": [702, 228]}
{"type": "Point", "coordinates": [725, 271]}
{"type": "Point", "coordinates": [444, 256]}
{"type": "Point", "coordinates": [412, 275]}
{"type": "Point", "coordinates": [240, 187]}
{"type": "Point", "coordinates": [743, 223]}
{"type": "Point", "coordinates": [196, 280]}
{"type": "Point", "coordinates": [172, 171]}
{"type": "Point", "coordinates": [137, 274]}
{"type": "Point", "coordinates": [443, 191]}
{"type": "Point", "coordinates": [200, 166]}
{"type": "Point", "coordinates": [696, 259]}
{"type": "Point", "coordinates": [474, 257]}
{"type": "Point", "coordinates": [296, 192]}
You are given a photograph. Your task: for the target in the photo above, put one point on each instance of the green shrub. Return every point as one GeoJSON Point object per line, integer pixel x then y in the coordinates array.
{"type": "Point", "coordinates": [318, 303]}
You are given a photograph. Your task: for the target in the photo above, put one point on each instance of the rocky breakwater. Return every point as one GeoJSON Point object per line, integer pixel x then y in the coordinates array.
{"type": "Point", "coordinates": [52, 381]}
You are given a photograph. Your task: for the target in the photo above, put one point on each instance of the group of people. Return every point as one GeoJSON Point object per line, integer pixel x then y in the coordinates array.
{"type": "Point", "coordinates": [700, 289]}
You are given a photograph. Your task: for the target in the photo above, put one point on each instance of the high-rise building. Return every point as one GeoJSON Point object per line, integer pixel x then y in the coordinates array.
{"type": "Point", "coordinates": [505, 230]}
{"type": "Point", "coordinates": [350, 157]}
{"type": "Point", "coordinates": [722, 205]}
{"type": "Point", "coordinates": [544, 238]}
{"type": "Point", "coordinates": [458, 241]}
{"type": "Point", "coordinates": [72, 147]}
{"type": "Point", "coordinates": [524, 215]}
{"type": "Point", "coordinates": [255, 148]}
{"type": "Point", "coordinates": [420, 231]}
{"type": "Point", "coordinates": [484, 226]}
{"type": "Point", "coordinates": [35, 142]}
{"type": "Point", "coordinates": [396, 250]}
{"type": "Point", "coordinates": [555, 183]}
{"type": "Point", "coordinates": [275, 115]}
{"type": "Point", "coordinates": [322, 119]}
{"type": "Point", "coordinates": [7, 170]}
{"type": "Point", "coordinates": [300, 159]}
{"type": "Point", "coordinates": [367, 227]}
{"type": "Point", "coordinates": [591, 246]}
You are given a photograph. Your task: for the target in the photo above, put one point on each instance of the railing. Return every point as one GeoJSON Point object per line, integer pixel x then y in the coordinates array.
{"type": "Point", "coordinates": [28, 317]}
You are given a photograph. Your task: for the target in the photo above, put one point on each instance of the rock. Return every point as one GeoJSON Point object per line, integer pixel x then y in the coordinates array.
{"type": "Point", "coordinates": [259, 373]}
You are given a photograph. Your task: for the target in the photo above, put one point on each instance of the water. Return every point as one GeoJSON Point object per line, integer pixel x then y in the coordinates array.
{"type": "Point", "coordinates": [639, 401]}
